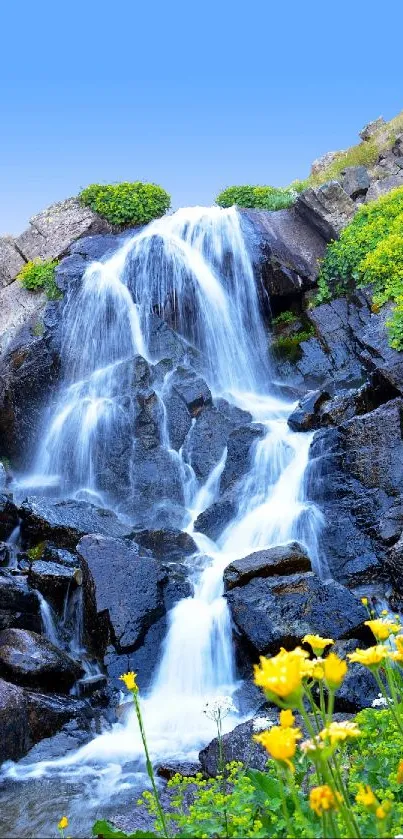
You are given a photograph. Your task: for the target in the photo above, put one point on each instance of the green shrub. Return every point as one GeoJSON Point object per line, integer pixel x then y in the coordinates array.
{"type": "Point", "coordinates": [284, 317]}
{"type": "Point", "coordinates": [256, 197]}
{"type": "Point", "coordinates": [370, 252]}
{"type": "Point", "coordinates": [290, 345]}
{"type": "Point", "coordinates": [126, 204]}
{"type": "Point", "coordinates": [40, 274]}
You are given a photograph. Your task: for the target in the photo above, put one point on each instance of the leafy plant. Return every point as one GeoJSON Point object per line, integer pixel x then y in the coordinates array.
{"type": "Point", "coordinates": [40, 274]}
{"type": "Point", "coordinates": [284, 317]}
{"type": "Point", "coordinates": [126, 204]}
{"type": "Point", "coordinates": [370, 252]}
{"type": "Point", "coordinates": [290, 345]}
{"type": "Point", "coordinates": [257, 197]}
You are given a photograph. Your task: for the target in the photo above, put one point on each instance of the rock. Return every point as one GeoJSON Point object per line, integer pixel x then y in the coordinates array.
{"type": "Point", "coordinates": [111, 569]}
{"type": "Point", "coordinates": [372, 128]}
{"type": "Point", "coordinates": [52, 231]}
{"type": "Point", "coordinates": [208, 437]}
{"type": "Point", "coordinates": [359, 687]}
{"type": "Point", "coordinates": [324, 161]}
{"type": "Point", "coordinates": [279, 561]}
{"type": "Point", "coordinates": [11, 261]}
{"type": "Point", "coordinates": [355, 181]}
{"type": "Point", "coordinates": [5, 553]}
{"type": "Point", "coordinates": [18, 307]}
{"type": "Point", "coordinates": [156, 491]}
{"type": "Point", "coordinates": [326, 208]}
{"type": "Point", "coordinates": [306, 415]}
{"type": "Point", "coordinates": [19, 605]}
{"type": "Point", "coordinates": [169, 545]}
{"type": "Point", "coordinates": [14, 730]}
{"type": "Point", "coordinates": [30, 659]}
{"type": "Point", "coordinates": [237, 745]}
{"type": "Point", "coordinates": [186, 768]}
{"type": "Point", "coordinates": [376, 352]}
{"type": "Point", "coordinates": [3, 477]}
{"type": "Point", "coordinates": [374, 447]}
{"type": "Point", "coordinates": [394, 563]}
{"type": "Point", "coordinates": [54, 580]}
{"type": "Point", "coordinates": [336, 324]}
{"type": "Point", "coordinates": [93, 248]}
{"type": "Point", "coordinates": [9, 518]}
{"type": "Point", "coordinates": [275, 612]}
{"type": "Point", "coordinates": [214, 520]}
{"type": "Point", "coordinates": [65, 522]}
{"type": "Point", "coordinates": [240, 447]}
{"type": "Point", "coordinates": [192, 389]}
{"type": "Point", "coordinates": [286, 249]}
{"type": "Point", "coordinates": [382, 186]}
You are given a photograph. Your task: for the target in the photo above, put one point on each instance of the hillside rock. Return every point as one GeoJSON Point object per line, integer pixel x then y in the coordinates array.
{"type": "Point", "coordinates": [238, 745]}
{"type": "Point", "coordinates": [11, 261]}
{"type": "Point", "coordinates": [52, 231]}
{"type": "Point", "coordinates": [31, 660]}
{"type": "Point", "coordinates": [279, 561]}
{"type": "Point", "coordinates": [19, 605]}
{"type": "Point", "coordinates": [384, 185]}
{"type": "Point", "coordinates": [356, 181]}
{"type": "Point", "coordinates": [326, 208]}
{"type": "Point", "coordinates": [65, 522]}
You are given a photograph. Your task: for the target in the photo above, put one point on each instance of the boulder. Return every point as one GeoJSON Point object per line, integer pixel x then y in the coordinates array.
{"type": "Point", "coordinates": [14, 729]}
{"type": "Point", "coordinates": [326, 208]}
{"type": "Point", "coordinates": [186, 768]}
{"type": "Point", "coordinates": [240, 447]}
{"type": "Point", "coordinates": [9, 517]}
{"type": "Point", "coordinates": [54, 580]}
{"type": "Point", "coordinates": [213, 521]}
{"type": "Point", "coordinates": [11, 261]}
{"type": "Point", "coordinates": [111, 568]}
{"type": "Point", "coordinates": [237, 745]}
{"type": "Point", "coordinates": [276, 612]}
{"type": "Point", "coordinates": [306, 415]}
{"type": "Point", "coordinates": [191, 389]}
{"type": "Point", "coordinates": [168, 545]}
{"type": "Point", "coordinates": [372, 128]}
{"type": "Point", "coordinates": [374, 447]}
{"type": "Point", "coordinates": [359, 688]}
{"type": "Point", "coordinates": [52, 231]}
{"type": "Point", "coordinates": [65, 522]}
{"type": "Point", "coordinates": [31, 660]}
{"type": "Point", "coordinates": [3, 477]}
{"type": "Point", "coordinates": [324, 161]}
{"type": "Point", "coordinates": [205, 443]}
{"type": "Point", "coordinates": [384, 185]}
{"type": "Point", "coordinates": [375, 351]}
{"type": "Point", "coordinates": [394, 563]}
{"type": "Point", "coordinates": [278, 561]}
{"type": "Point", "coordinates": [99, 246]}
{"type": "Point", "coordinates": [355, 181]}
{"type": "Point", "coordinates": [19, 605]}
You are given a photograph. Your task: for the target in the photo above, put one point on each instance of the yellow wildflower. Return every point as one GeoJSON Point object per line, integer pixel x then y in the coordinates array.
{"type": "Point", "coordinates": [366, 797]}
{"type": "Point", "coordinates": [380, 812]}
{"type": "Point", "coordinates": [372, 657]}
{"type": "Point", "coordinates": [313, 669]}
{"type": "Point", "coordinates": [280, 743]}
{"type": "Point", "coordinates": [281, 676]}
{"type": "Point", "coordinates": [381, 629]}
{"type": "Point", "coordinates": [287, 719]}
{"type": "Point", "coordinates": [130, 681]}
{"type": "Point", "coordinates": [317, 643]}
{"type": "Point", "coordinates": [384, 612]}
{"type": "Point", "coordinates": [322, 799]}
{"type": "Point", "coordinates": [335, 670]}
{"type": "Point", "coordinates": [64, 822]}
{"type": "Point", "coordinates": [339, 731]}
{"type": "Point", "coordinates": [396, 656]}
{"type": "Point", "coordinates": [364, 601]}
{"type": "Point", "coordinates": [399, 643]}
{"type": "Point", "coordinates": [400, 772]}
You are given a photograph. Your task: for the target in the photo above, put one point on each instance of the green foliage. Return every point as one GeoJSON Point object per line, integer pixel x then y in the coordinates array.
{"type": "Point", "coordinates": [127, 204]}
{"type": "Point", "coordinates": [38, 329]}
{"type": "Point", "coordinates": [257, 197]}
{"type": "Point", "coordinates": [40, 274]}
{"type": "Point", "coordinates": [290, 345]}
{"type": "Point", "coordinates": [37, 551]}
{"type": "Point", "coordinates": [370, 252]}
{"type": "Point", "coordinates": [106, 830]}
{"type": "Point", "coordinates": [284, 317]}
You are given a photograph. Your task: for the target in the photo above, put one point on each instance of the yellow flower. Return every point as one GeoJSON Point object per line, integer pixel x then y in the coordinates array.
{"type": "Point", "coordinates": [399, 643]}
{"type": "Point", "coordinates": [317, 643]}
{"type": "Point", "coordinates": [384, 612]}
{"type": "Point", "coordinates": [372, 657]}
{"type": "Point", "coordinates": [400, 772]}
{"type": "Point", "coordinates": [335, 670]}
{"type": "Point", "coordinates": [339, 731]}
{"type": "Point", "coordinates": [280, 743]}
{"type": "Point", "coordinates": [380, 813]}
{"type": "Point", "coordinates": [287, 719]}
{"type": "Point", "coordinates": [322, 799]}
{"type": "Point", "coordinates": [366, 797]}
{"type": "Point", "coordinates": [381, 629]}
{"type": "Point", "coordinates": [281, 676]}
{"type": "Point", "coordinates": [364, 601]}
{"type": "Point", "coordinates": [64, 822]}
{"type": "Point", "coordinates": [130, 681]}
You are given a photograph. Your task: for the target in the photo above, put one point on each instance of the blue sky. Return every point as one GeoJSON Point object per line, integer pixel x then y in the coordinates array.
{"type": "Point", "coordinates": [194, 96]}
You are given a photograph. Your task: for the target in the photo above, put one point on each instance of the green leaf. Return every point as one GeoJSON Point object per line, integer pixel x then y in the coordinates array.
{"type": "Point", "coordinates": [106, 830]}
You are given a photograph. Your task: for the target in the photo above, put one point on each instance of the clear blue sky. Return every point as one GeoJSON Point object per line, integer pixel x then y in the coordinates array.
{"type": "Point", "coordinates": [195, 96]}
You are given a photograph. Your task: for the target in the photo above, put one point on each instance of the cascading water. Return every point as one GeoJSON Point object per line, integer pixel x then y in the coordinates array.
{"type": "Point", "coordinates": [193, 269]}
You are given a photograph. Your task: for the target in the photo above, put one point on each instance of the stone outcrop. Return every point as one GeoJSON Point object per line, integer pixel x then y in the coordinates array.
{"type": "Point", "coordinates": [11, 261]}
{"type": "Point", "coordinates": [65, 522]}
{"type": "Point", "coordinates": [29, 659]}
{"type": "Point", "coordinates": [327, 208]}
{"type": "Point", "coordinates": [280, 561]}
{"type": "Point", "coordinates": [51, 232]}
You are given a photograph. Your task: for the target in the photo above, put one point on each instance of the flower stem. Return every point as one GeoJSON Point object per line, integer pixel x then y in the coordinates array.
{"type": "Point", "coordinates": [150, 770]}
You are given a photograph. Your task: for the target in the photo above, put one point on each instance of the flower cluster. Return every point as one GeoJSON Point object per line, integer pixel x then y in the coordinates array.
{"type": "Point", "coordinates": [219, 708]}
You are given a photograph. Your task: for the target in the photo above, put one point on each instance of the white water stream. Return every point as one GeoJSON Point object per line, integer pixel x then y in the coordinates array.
{"type": "Point", "coordinates": [193, 267]}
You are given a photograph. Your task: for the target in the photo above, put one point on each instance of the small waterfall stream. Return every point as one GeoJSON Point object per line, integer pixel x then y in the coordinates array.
{"type": "Point", "coordinates": [194, 269]}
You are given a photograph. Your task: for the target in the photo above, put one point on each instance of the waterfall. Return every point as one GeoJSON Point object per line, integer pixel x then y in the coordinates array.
{"type": "Point", "coordinates": [193, 269]}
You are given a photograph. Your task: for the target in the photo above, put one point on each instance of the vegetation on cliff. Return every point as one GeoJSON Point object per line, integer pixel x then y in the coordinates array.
{"type": "Point", "coordinates": [256, 197]}
{"type": "Point", "coordinates": [369, 252]}
{"type": "Point", "coordinates": [126, 204]}
{"type": "Point", "coordinates": [39, 275]}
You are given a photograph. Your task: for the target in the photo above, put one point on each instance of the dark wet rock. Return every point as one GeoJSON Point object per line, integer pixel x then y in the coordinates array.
{"type": "Point", "coordinates": [53, 580]}
{"type": "Point", "coordinates": [143, 660]}
{"type": "Point", "coordinates": [165, 343]}
{"type": "Point", "coordinates": [335, 324]}
{"type": "Point", "coordinates": [3, 477]}
{"type": "Point", "coordinates": [28, 373]}
{"type": "Point", "coordinates": [208, 438]}
{"type": "Point", "coordinates": [191, 389]}
{"type": "Point", "coordinates": [30, 659]}
{"type": "Point", "coordinates": [215, 519]}
{"type": "Point", "coordinates": [279, 611]}
{"type": "Point", "coordinates": [19, 605]}
{"type": "Point", "coordinates": [355, 181]}
{"type": "Point", "coordinates": [96, 247]}
{"type": "Point", "coordinates": [374, 447]}
{"type": "Point", "coordinates": [394, 563]}
{"type": "Point", "coordinates": [5, 553]}
{"type": "Point", "coordinates": [90, 685]}
{"type": "Point", "coordinates": [65, 522]}
{"type": "Point", "coordinates": [306, 415]}
{"type": "Point", "coordinates": [165, 544]}
{"type": "Point", "coordinates": [9, 517]}
{"type": "Point", "coordinates": [69, 272]}
{"type": "Point", "coordinates": [14, 731]}
{"type": "Point", "coordinates": [48, 713]}
{"type": "Point", "coordinates": [248, 698]}
{"type": "Point", "coordinates": [326, 208]}
{"type": "Point", "coordinates": [359, 687]}
{"type": "Point", "coordinates": [169, 768]}
{"type": "Point", "coordinates": [73, 734]}
{"type": "Point", "coordinates": [156, 493]}
{"type": "Point", "coordinates": [111, 569]}
{"type": "Point", "coordinates": [51, 553]}
{"type": "Point", "coordinates": [390, 527]}
{"type": "Point", "coordinates": [239, 454]}
{"type": "Point", "coordinates": [287, 250]}
{"type": "Point", "coordinates": [376, 352]}
{"type": "Point", "coordinates": [272, 562]}
{"type": "Point", "coordinates": [238, 745]}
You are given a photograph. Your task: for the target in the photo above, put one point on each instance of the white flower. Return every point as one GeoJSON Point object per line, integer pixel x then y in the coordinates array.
{"type": "Point", "coordinates": [261, 724]}
{"type": "Point", "coordinates": [219, 708]}
{"type": "Point", "coordinates": [381, 702]}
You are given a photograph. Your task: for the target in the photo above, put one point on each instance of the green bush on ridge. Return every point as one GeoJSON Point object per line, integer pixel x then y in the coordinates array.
{"type": "Point", "coordinates": [126, 204]}
{"type": "Point", "coordinates": [39, 275]}
{"type": "Point", "coordinates": [256, 197]}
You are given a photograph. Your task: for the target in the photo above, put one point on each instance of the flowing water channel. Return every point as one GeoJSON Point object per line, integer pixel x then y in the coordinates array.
{"type": "Point", "coordinates": [194, 269]}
